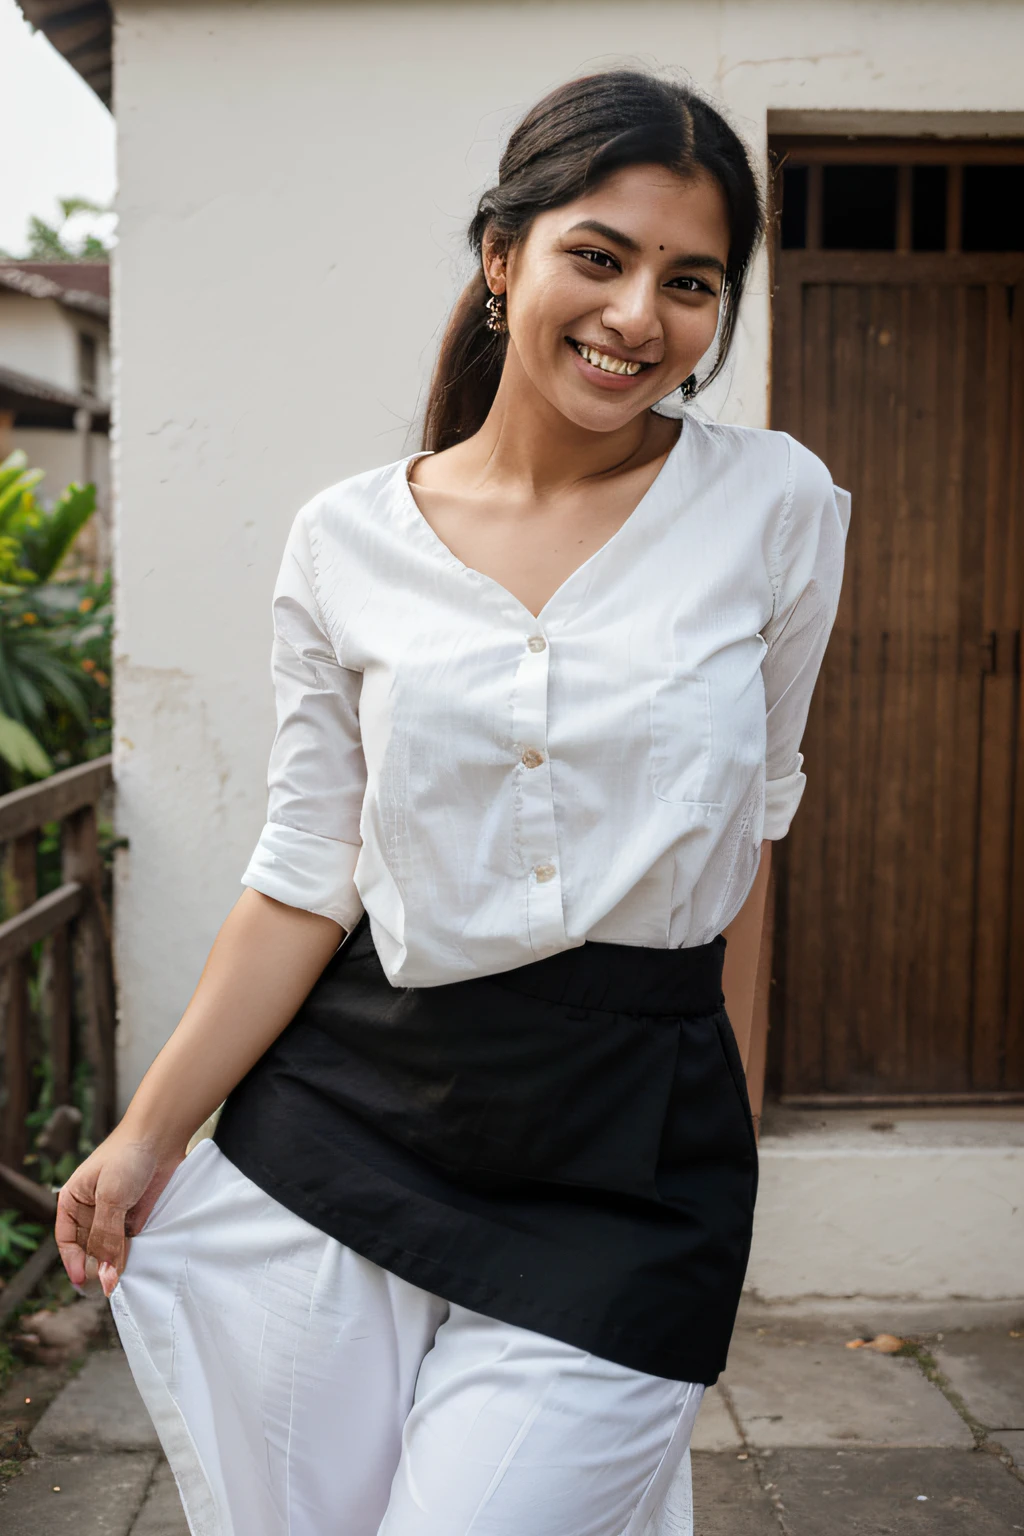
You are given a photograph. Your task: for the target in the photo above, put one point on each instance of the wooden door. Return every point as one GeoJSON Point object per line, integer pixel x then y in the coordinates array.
{"type": "Point", "coordinates": [899, 951]}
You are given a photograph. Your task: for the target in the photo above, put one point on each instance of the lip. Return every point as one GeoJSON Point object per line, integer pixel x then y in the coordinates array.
{"type": "Point", "coordinates": [616, 382]}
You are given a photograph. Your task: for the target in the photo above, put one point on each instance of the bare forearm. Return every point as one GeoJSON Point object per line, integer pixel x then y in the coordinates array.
{"type": "Point", "coordinates": [261, 967]}
{"type": "Point", "coordinates": [743, 949]}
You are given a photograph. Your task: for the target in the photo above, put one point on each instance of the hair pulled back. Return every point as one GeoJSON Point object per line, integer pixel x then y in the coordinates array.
{"type": "Point", "coordinates": [565, 146]}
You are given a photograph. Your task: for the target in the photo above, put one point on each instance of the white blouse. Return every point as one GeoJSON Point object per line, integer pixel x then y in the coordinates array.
{"type": "Point", "coordinates": [492, 787]}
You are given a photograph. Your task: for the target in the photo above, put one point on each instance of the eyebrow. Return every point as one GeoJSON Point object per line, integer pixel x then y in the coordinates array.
{"type": "Point", "coordinates": [595, 227]}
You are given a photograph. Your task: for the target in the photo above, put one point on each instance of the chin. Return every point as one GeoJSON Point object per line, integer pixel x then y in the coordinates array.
{"type": "Point", "coordinates": [600, 416]}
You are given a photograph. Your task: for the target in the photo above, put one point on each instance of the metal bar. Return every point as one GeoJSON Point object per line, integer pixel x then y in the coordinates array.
{"type": "Point", "coordinates": [43, 917]}
{"type": "Point", "coordinates": [25, 810]}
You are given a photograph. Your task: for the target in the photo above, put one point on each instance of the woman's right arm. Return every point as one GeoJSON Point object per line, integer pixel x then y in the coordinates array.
{"type": "Point", "coordinates": [276, 941]}
{"type": "Point", "coordinates": [261, 967]}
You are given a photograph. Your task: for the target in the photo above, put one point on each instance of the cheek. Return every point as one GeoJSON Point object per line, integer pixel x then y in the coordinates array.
{"type": "Point", "coordinates": [696, 330]}
{"type": "Point", "coordinates": [545, 309]}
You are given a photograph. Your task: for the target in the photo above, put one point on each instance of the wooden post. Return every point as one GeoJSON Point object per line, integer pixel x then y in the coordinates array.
{"type": "Point", "coordinates": [61, 1051]}
{"type": "Point", "coordinates": [19, 893]}
{"type": "Point", "coordinates": [81, 863]}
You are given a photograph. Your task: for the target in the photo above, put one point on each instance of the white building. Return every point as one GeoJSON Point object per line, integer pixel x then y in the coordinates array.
{"type": "Point", "coordinates": [294, 182]}
{"type": "Point", "coordinates": [55, 383]}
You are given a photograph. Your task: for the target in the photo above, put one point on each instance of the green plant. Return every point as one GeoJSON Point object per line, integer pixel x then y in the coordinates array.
{"type": "Point", "coordinates": [18, 1238]}
{"type": "Point", "coordinates": [34, 541]}
{"type": "Point", "coordinates": [55, 636]}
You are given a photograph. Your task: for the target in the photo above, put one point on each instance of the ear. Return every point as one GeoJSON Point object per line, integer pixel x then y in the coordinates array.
{"type": "Point", "coordinates": [492, 257]}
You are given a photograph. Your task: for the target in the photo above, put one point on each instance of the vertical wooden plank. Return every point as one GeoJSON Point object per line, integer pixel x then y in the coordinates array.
{"type": "Point", "coordinates": [998, 722]}
{"type": "Point", "coordinates": [81, 862]}
{"type": "Point", "coordinates": [1014, 1054]}
{"type": "Point", "coordinates": [941, 957]}
{"type": "Point", "coordinates": [827, 749]}
{"type": "Point", "coordinates": [806, 1001]}
{"type": "Point", "coordinates": [19, 892]}
{"type": "Point", "coordinates": [963, 807]}
{"type": "Point", "coordinates": [61, 1016]}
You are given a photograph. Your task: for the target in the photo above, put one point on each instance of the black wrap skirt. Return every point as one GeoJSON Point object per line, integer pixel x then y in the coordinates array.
{"type": "Point", "coordinates": [566, 1147]}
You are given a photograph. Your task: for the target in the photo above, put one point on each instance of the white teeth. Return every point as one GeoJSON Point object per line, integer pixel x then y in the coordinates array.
{"type": "Point", "coordinates": [605, 363]}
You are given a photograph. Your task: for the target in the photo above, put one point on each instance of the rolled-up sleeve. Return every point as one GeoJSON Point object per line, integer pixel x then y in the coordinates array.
{"type": "Point", "coordinates": [307, 851]}
{"type": "Point", "coordinates": [807, 573]}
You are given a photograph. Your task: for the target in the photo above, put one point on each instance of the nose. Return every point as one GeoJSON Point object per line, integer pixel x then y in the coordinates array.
{"type": "Point", "coordinates": [632, 310]}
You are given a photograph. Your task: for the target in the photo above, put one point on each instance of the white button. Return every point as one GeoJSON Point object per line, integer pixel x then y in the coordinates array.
{"type": "Point", "coordinates": [544, 873]}
{"type": "Point", "coordinates": [531, 758]}
{"type": "Point", "coordinates": [537, 643]}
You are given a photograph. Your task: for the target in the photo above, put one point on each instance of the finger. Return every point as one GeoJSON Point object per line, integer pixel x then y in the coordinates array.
{"type": "Point", "coordinates": [71, 1230]}
{"type": "Point", "coordinates": [107, 1236]}
{"type": "Point", "coordinates": [108, 1278]}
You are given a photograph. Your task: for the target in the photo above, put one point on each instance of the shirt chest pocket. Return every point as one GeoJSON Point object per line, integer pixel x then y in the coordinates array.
{"type": "Point", "coordinates": [682, 744]}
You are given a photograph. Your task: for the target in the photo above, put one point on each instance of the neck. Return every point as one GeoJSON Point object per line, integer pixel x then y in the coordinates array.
{"type": "Point", "coordinates": [525, 441]}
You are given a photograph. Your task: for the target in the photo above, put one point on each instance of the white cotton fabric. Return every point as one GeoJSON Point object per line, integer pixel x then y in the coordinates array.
{"type": "Point", "coordinates": [299, 1390]}
{"type": "Point", "coordinates": [493, 787]}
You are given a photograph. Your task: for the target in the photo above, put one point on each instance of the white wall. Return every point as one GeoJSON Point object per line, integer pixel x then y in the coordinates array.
{"type": "Point", "coordinates": [294, 182]}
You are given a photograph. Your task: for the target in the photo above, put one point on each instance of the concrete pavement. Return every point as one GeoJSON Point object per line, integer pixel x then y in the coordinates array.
{"type": "Point", "coordinates": [802, 1437]}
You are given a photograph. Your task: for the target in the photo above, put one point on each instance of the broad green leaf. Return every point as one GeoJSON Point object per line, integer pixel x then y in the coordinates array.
{"type": "Point", "coordinates": [20, 750]}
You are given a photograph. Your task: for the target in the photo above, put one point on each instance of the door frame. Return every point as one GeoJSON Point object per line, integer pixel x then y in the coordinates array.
{"type": "Point", "coordinates": [789, 270]}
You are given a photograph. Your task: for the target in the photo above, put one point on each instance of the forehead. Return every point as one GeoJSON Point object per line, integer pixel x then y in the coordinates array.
{"type": "Point", "coordinates": [654, 207]}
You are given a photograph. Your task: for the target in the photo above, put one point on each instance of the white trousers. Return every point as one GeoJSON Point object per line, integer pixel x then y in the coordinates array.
{"type": "Point", "coordinates": [300, 1390]}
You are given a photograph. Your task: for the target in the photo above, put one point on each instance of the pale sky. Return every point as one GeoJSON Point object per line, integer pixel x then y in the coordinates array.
{"type": "Point", "coordinates": [56, 136]}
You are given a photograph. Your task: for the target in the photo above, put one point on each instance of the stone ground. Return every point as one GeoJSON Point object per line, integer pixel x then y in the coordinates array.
{"type": "Point", "coordinates": [802, 1437]}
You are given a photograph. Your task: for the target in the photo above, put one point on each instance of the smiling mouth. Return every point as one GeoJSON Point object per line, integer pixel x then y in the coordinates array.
{"type": "Point", "coordinates": [604, 362]}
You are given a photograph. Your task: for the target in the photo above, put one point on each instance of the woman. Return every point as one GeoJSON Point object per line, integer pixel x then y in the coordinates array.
{"type": "Point", "coordinates": [469, 1240]}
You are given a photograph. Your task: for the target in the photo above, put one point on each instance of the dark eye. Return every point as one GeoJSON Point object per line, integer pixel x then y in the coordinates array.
{"type": "Point", "coordinates": [692, 285]}
{"type": "Point", "coordinates": [595, 257]}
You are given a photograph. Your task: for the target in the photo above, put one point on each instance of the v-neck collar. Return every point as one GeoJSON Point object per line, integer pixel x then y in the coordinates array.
{"type": "Point", "coordinates": [415, 515]}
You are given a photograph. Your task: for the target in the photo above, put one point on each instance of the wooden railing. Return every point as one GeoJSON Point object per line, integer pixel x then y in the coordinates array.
{"type": "Point", "coordinates": [73, 991]}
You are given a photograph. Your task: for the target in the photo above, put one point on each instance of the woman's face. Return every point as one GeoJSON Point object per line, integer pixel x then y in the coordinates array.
{"type": "Point", "coordinates": [613, 299]}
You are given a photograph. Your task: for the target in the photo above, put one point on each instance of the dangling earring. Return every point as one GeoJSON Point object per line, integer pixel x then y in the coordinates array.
{"type": "Point", "coordinates": [688, 388]}
{"type": "Point", "coordinates": [495, 308]}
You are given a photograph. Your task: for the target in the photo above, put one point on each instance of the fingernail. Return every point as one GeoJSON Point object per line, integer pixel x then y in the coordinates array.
{"type": "Point", "coordinates": [92, 1267]}
{"type": "Point", "coordinates": [108, 1277]}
